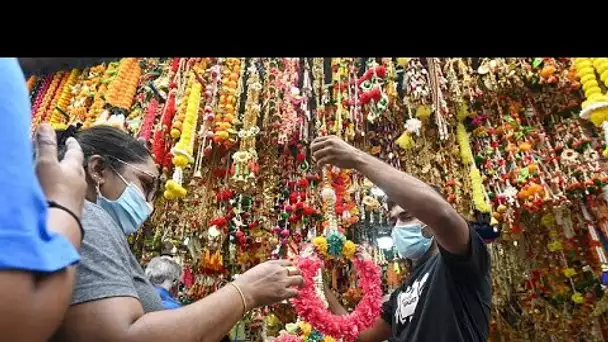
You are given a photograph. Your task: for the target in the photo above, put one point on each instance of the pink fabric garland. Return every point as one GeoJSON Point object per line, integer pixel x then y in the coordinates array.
{"type": "Point", "coordinates": [311, 309]}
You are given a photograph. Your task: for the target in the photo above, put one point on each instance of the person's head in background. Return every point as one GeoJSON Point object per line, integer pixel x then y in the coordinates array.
{"type": "Point", "coordinates": [121, 174]}
{"type": "Point", "coordinates": [411, 237]}
{"type": "Point", "coordinates": [163, 272]}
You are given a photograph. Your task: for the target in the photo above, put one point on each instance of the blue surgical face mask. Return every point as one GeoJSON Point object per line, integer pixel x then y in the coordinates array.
{"type": "Point", "coordinates": [409, 241]}
{"type": "Point", "coordinates": [130, 210]}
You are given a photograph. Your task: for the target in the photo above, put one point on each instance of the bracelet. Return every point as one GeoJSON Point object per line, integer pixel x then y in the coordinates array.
{"type": "Point", "coordinates": [242, 297]}
{"type": "Point", "coordinates": [53, 204]}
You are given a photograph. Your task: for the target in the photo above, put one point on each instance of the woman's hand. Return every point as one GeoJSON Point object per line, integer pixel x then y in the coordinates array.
{"type": "Point", "coordinates": [269, 282]}
{"type": "Point", "coordinates": [63, 182]}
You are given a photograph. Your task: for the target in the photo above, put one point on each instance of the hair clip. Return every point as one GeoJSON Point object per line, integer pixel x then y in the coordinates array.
{"type": "Point", "coordinates": [70, 131]}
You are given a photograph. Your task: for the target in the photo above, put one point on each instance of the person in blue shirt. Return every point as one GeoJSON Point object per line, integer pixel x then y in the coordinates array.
{"type": "Point", "coordinates": [40, 208]}
{"type": "Point", "coordinates": [164, 274]}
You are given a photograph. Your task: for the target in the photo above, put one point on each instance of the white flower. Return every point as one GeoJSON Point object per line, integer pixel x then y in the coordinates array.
{"type": "Point", "coordinates": [413, 126]}
{"type": "Point", "coordinates": [510, 192]}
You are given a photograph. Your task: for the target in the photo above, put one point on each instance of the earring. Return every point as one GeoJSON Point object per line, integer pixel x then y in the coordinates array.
{"type": "Point", "coordinates": [97, 186]}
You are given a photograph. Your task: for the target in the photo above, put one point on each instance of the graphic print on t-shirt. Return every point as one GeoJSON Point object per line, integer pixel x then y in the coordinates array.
{"type": "Point", "coordinates": [407, 301]}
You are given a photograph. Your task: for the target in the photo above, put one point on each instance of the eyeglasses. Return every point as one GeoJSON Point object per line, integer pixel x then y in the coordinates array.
{"type": "Point", "coordinates": [149, 188]}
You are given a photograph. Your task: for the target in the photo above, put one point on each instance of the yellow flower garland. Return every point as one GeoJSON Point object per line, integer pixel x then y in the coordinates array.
{"type": "Point", "coordinates": [466, 154]}
{"type": "Point", "coordinates": [595, 108]}
{"type": "Point", "coordinates": [479, 198]}
{"type": "Point", "coordinates": [463, 141]}
{"type": "Point", "coordinates": [183, 150]}
{"type": "Point", "coordinates": [99, 100]}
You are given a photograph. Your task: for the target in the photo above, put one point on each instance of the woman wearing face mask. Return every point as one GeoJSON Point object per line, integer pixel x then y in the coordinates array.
{"type": "Point", "coordinates": [447, 296]}
{"type": "Point", "coordinates": [112, 299]}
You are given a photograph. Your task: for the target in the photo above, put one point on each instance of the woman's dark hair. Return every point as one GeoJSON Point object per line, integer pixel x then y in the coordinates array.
{"type": "Point", "coordinates": [108, 142]}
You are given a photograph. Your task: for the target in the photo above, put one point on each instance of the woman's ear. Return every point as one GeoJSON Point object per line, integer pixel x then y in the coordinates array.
{"type": "Point", "coordinates": [96, 165]}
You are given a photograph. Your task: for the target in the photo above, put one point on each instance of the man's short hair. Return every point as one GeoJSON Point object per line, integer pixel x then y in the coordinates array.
{"type": "Point", "coordinates": [161, 269]}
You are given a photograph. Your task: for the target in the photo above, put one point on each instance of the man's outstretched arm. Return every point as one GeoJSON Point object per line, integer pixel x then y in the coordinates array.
{"type": "Point", "coordinates": [418, 198]}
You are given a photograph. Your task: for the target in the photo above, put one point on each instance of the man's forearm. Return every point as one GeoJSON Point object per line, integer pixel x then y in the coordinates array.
{"type": "Point", "coordinates": [64, 224]}
{"type": "Point", "coordinates": [334, 305]}
{"type": "Point", "coordinates": [419, 199]}
{"type": "Point", "coordinates": [34, 305]}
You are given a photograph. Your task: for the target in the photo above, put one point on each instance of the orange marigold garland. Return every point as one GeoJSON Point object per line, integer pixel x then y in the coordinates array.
{"type": "Point", "coordinates": [58, 116]}
{"type": "Point", "coordinates": [121, 92]}
{"type": "Point", "coordinates": [58, 92]}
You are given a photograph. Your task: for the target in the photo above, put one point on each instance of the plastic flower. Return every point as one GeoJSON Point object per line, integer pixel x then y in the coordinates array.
{"type": "Point", "coordinates": [305, 328]}
{"type": "Point", "coordinates": [413, 126]}
{"type": "Point", "coordinates": [320, 244]}
{"type": "Point", "coordinates": [349, 249]}
{"type": "Point", "coordinates": [335, 242]}
{"type": "Point", "coordinates": [578, 298]}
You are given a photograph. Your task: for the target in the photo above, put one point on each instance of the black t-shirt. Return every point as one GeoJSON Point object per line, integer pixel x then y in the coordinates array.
{"type": "Point", "coordinates": [446, 298]}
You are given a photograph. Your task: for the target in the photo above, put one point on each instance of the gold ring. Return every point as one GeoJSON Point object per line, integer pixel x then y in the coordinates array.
{"type": "Point", "coordinates": [291, 270]}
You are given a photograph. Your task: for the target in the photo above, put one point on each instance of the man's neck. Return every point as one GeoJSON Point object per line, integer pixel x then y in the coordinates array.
{"type": "Point", "coordinates": [431, 252]}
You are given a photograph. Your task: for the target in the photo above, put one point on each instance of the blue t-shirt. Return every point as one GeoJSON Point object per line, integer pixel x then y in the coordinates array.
{"type": "Point", "coordinates": [25, 242]}
{"type": "Point", "coordinates": [168, 301]}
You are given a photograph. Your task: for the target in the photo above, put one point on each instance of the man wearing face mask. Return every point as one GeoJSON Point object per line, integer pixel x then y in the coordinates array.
{"type": "Point", "coordinates": [447, 296]}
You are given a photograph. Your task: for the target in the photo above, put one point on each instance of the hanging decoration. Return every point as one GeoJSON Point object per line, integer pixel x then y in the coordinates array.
{"type": "Point", "coordinates": [516, 145]}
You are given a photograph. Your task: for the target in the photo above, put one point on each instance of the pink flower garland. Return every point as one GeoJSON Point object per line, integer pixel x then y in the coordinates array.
{"type": "Point", "coordinates": [287, 338]}
{"type": "Point", "coordinates": [310, 307]}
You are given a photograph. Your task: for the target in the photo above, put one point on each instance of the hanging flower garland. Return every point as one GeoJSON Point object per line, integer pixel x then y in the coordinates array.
{"type": "Point", "coordinates": [311, 307]}
{"type": "Point", "coordinates": [161, 133]}
{"type": "Point", "coordinates": [183, 150]}
{"type": "Point", "coordinates": [595, 108]}
{"type": "Point", "coordinates": [40, 100]}
{"type": "Point", "coordinates": [59, 117]}
{"type": "Point", "coordinates": [99, 100]}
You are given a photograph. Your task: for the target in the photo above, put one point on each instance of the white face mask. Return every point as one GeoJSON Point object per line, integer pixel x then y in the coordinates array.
{"type": "Point", "coordinates": [409, 241]}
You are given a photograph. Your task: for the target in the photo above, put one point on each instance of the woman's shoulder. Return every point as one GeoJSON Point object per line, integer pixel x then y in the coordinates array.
{"type": "Point", "coordinates": [95, 217]}
{"type": "Point", "coordinates": [101, 229]}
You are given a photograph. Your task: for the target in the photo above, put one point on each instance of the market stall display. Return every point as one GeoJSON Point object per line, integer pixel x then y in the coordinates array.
{"type": "Point", "coordinates": [506, 139]}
